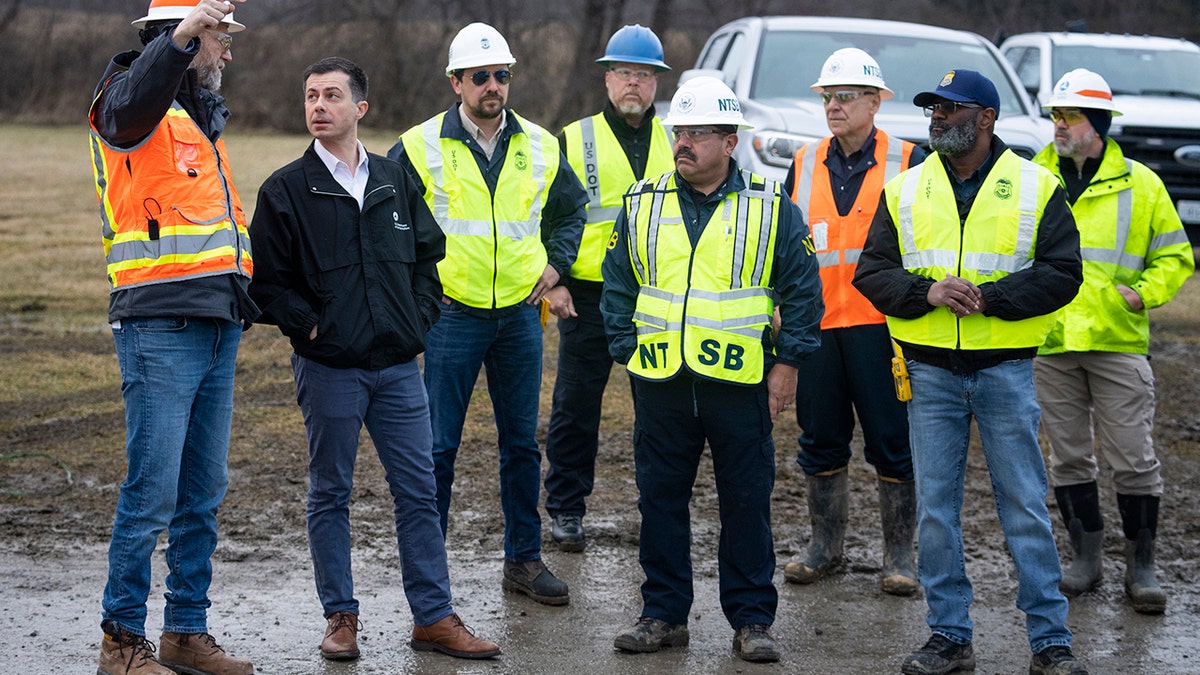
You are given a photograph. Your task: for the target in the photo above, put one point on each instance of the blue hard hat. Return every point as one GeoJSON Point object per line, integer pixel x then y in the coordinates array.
{"type": "Point", "coordinates": [634, 44]}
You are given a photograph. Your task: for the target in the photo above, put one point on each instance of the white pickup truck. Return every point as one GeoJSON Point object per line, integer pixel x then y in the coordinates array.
{"type": "Point", "coordinates": [1156, 85]}
{"type": "Point", "coordinates": [770, 62]}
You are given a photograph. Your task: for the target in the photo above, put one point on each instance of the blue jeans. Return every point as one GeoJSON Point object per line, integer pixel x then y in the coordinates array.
{"type": "Point", "coordinates": [1001, 400]}
{"type": "Point", "coordinates": [336, 403]}
{"type": "Point", "coordinates": [177, 382]}
{"type": "Point", "coordinates": [510, 348]}
{"type": "Point", "coordinates": [674, 418]}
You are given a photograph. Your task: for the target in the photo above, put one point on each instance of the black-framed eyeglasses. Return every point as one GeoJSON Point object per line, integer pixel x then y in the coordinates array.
{"type": "Point", "coordinates": [843, 96]}
{"type": "Point", "coordinates": [626, 74]}
{"type": "Point", "coordinates": [480, 77]}
{"type": "Point", "coordinates": [225, 40]}
{"type": "Point", "coordinates": [948, 107]}
{"type": "Point", "coordinates": [697, 134]}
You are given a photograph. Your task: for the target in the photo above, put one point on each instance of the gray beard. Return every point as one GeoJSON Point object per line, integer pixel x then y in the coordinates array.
{"type": "Point", "coordinates": [210, 79]}
{"type": "Point", "coordinates": [1072, 149]}
{"type": "Point", "coordinates": [632, 109]}
{"type": "Point", "coordinates": [956, 140]}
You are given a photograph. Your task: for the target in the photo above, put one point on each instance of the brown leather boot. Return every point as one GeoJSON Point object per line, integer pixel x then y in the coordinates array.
{"type": "Point", "coordinates": [199, 654]}
{"type": "Point", "coordinates": [341, 637]}
{"type": "Point", "coordinates": [123, 653]}
{"type": "Point", "coordinates": [451, 636]}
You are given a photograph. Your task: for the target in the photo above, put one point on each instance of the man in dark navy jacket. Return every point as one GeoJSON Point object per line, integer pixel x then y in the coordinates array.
{"type": "Point", "coordinates": [347, 268]}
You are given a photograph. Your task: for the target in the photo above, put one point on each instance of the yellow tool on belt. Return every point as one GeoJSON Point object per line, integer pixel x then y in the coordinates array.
{"type": "Point", "coordinates": [544, 312]}
{"type": "Point", "coordinates": [900, 374]}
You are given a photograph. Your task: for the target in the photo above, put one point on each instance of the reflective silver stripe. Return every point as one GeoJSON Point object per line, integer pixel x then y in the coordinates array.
{"type": "Point", "coordinates": [804, 181]}
{"type": "Point", "coordinates": [1117, 255]}
{"type": "Point", "coordinates": [908, 195]}
{"type": "Point", "coordinates": [1169, 239]}
{"type": "Point", "coordinates": [587, 126]}
{"type": "Point", "coordinates": [739, 243]}
{"type": "Point", "coordinates": [107, 231]}
{"type": "Point", "coordinates": [829, 258]}
{"type": "Point", "coordinates": [650, 320]}
{"type": "Point", "coordinates": [660, 294]}
{"type": "Point", "coordinates": [747, 326]}
{"type": "Point", "coordinates": [179, 244]}
{"type": "Point", "coordinates": [893, 159]}
{"type": "Point", "coordinates": [643, 329]}
{"type": "Point", "coordinates": [767, 220]}
{"type": "Point", "coordinates": [987, 263]}
{"type": "Point", "coordinates": [851, 255]}
{"type": "Point", "coordinates": [518, 229]}
{"type": "Point", "coordinates": [431, 131]}
{"type": "Point", "coordinates": [537, 169]}
{"type": "Point", "coordinates": [1119, 258]}
{"type": "Point", "coordinates": [599, 214]}
{"type": "Point", "coordinates": [739, 294]}
{"type": "Point", "coordinates": [634, 199]}
{"type": "Point", "coordinates": [466, 228]}
{"type": "Point", "coordinates": [930, 258]}
{"type": "Point", "coordinates": [656, 204]}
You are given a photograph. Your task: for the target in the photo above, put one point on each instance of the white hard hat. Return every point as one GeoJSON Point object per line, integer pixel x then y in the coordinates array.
{"type": "Point", "coordinates": [177, 10]}
{"type": "Point", "coordinates": [478, 44]}
{"type": "Point", "coordinates": [855, 67]}
{"type": "Point", "coordinates": [705, 100]}
{"type": "Point", "coordinates": [1081, 88]}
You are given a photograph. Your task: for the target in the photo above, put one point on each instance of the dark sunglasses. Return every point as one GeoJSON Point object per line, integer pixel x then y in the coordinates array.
{"type": "Point", "coordinates": [480, 77]}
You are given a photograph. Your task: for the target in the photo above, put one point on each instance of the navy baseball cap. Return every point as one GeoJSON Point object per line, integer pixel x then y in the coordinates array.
{"type": "Point", "coordinates": [963, 86]}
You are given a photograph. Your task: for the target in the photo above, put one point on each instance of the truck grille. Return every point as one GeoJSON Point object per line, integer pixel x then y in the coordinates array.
{"type": "Point", "coordinates": [1155, 147]}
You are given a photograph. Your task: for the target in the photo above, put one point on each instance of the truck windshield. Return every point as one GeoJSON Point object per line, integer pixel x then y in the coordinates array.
{"type": "Point", "coordinates": [1136, 72]}
{"type": "Point", "coordinates": [791, 60]}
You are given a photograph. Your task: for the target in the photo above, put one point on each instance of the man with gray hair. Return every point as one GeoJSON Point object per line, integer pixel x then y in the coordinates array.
{"type": "Point", "coordinates": [179, 265]}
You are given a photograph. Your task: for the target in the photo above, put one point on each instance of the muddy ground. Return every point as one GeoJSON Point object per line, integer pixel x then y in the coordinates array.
{"type": "Point", "coordinates": [63, 464]}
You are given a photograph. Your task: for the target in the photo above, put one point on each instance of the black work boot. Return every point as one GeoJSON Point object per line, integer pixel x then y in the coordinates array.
{"type": "Point", "coordinates": [650, 635]}
{"type": "Point", "coordinates": [828, 500]}
{"type": "Point", "coordinates": [1080, 508]}
{"type": "Point", "coordinates": [754, 643]}
{"type": "Point", "coordinates": [567, 531]}
{"type": "Point", "coordinates": [1140, 516]}
{"type": "Point", "coordinates": [535, 580]}
{"type": "Point", "coordinates": [1056, 660]}
{"type": "Point", "coordinates": [939, 655]}
{"type": "Point", "coordinates": [898, 511]}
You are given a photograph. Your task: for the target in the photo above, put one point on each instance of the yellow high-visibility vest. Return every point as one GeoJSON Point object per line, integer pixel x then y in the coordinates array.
{"type": "Point", "coordinates": [494, 251]}
{"type": "Point", "coordinates": [597, 157]}
{"type": "Point", "coordinates": [998, 239]}
{"type": "Point", "coordinates": [1129, 234]}
{"type": "Point", "coordinates": [709, 307]}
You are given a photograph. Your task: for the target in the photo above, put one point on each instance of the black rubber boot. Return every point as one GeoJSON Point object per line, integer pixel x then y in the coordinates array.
{"type": "Point", "coordinates": [1080, 508]}
{"type": "Point", "coordinates": [1139, 514]}
{"type": "Point", "coordinates": [828, 502]}
{"type": "Point", "coordinates": [898, 512]}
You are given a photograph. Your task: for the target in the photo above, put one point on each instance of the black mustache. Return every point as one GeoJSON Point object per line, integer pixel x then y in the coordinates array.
{"type": "Point", "coordinates": [685, 152]}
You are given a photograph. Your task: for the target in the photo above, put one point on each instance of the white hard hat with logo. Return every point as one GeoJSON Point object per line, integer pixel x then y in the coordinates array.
{"type": "Point", "coordinates": [705, 101]}
{"type": "Point", "coordinates": [855, 67]}
{"type": "Point", "coordinates": [177, 10]}
{"type": "Point", "coordinates": [478, 44]}
{"type": "Point", "coordinates": [1081, 88]}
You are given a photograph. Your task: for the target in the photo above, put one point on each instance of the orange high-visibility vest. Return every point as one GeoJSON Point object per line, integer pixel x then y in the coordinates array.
{"type": "Point", "coordinates": [839, 239]}
{"type": "Point", "coordinates": [168, 207]}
